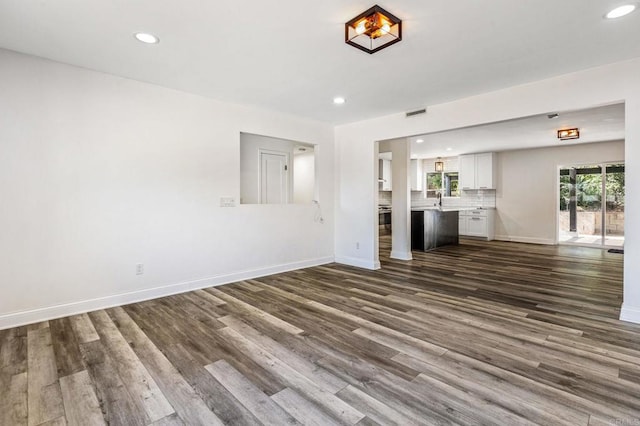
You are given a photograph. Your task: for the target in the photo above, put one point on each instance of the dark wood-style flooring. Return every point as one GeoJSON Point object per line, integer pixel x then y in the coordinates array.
{"type": "Point", "coordinates": [481, 333]}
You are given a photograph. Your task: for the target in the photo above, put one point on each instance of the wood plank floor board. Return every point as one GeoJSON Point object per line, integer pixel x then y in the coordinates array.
{"type": "Point", "coordinates": [173, 327]}
{"type": "Point", "coordinates": [322, 378]}
{"type": "Point", "coordinates": [614, 392]}
{"type": "Point", "coordinates": [383, 386]}
{"type": "Point", "coordinates": [43, 389]}
{"type": "Point", "coordinates": [309, 318]}
{"type": "Point", "coordinates": [469, 407]}
{"type": "Point", "coordinates": [376, 354]}
{"type": "Point", "coordinates": [632, 376]}
{"type": "Point", "coordinates": [549, 391]}
{"type": "Point", "coordinates": [479, 333]}
{"type": "Point", "coordinates": [118, 406]}
{"type": "Point", "coordinates": [185, 401]}
{"type": "Point", "coordinates": [196, 309]}
{"type": "Point", "coordinates": [65, 347]}
{"type": "Point", "coordinates": [83, 327]}
{"type": "Point", "coordinates": [523, 344]}
{"type": "Point", "coordinates": [517, 399]}
{"type": "Point", "coordinates": [211, 391]}
{"type": "Point", "coordinates": [488, 315]}
{"type": "Point", "coordinates": [303, 410]}
{"type": "Point", "coordinates": [141, 386]}
{"type": "Point", "coordinates": [81, 404]}
{"type": "Point", "coordinates": [366, 421]}
{"type": "Point", "coordinates": [13, 350]}
{"type": "Point", "coordinates": [256, 401]}
{"type": "Point", "coordinates": [59, 421]}
{"type": "Point", "coordinates": [297, 381]}
{"type": "Point", "coordinates": [210, 298]}
{"type": "Point", "coordinates": [206, 347]}
{"type": "Point", "coordinates": [13, 404]}
{"type": "Point", "coordinates": [172, 420]}
{"type": "Point", "coordinates": [239, 304]}
{"type": "Point", "coordinates": [377, 410]}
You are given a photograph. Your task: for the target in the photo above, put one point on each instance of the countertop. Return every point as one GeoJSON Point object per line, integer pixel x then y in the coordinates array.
{"type": "Point", "coordinates": [449, 209]}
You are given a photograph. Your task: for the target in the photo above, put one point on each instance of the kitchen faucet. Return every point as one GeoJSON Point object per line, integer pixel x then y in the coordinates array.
{"type": "Point", "coordinates": [439, 196]}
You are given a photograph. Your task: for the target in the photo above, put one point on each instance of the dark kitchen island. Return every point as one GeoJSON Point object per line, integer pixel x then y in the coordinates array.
{"type": "Point", "coordinates": [432, 228]}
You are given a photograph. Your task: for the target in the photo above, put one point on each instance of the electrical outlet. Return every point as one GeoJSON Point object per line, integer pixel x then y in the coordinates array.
{"type": "Point", "coordinates": [139, 269]}
{"type": "Point", "coordinates": [227, 202]}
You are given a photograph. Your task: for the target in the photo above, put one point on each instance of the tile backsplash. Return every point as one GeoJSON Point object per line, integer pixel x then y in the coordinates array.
{"type": "Point", "coordinates": [485, 198]}
{"type": "Point", "coordinates": [477, 198]}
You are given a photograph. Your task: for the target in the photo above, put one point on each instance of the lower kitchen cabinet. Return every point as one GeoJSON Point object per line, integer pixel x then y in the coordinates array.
{"type": "Point", "coordinates": [477, 223]}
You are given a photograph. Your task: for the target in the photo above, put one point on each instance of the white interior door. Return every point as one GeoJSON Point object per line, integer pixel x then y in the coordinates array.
{"type": "Point", "coordinates": [274, 181]}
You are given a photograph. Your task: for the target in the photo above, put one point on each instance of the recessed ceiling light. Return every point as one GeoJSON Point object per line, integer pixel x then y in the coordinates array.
{"type": "Point", "coordinates": [449, 149]}
{"type": "Point", "coordinates": [419, 140]}
{"type": "Point", "coordinates": [339, 100]}
{"type": "Point", "coordinates": [621, 11]}
{"type": "Point", "coordinates": [147, 38]}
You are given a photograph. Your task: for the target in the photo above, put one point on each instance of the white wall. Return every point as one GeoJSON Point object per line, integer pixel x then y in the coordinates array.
{"type": "Point", "coordinates": [99, 173]}
{"type": "Point", "coordinates": [527, 193]}
{"type": "Point", "coordinates": [304, 176]}
{"type": "Point", "coordinates": [356, 217]}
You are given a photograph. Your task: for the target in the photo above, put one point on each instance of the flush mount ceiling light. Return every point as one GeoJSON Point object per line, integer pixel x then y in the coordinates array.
{"type": "Point", "coordinates": [147, 38]}
{"type": "Point", "coordinates": [566, 134]}
{"type": "Point", "coordinates": [621, 11]}
{"type": "Point", "coordinates": [439, 166]}
{"type": "Point", "coordinates": [419, 140]}
{"type": "Point", "coordinates": [373, 30]}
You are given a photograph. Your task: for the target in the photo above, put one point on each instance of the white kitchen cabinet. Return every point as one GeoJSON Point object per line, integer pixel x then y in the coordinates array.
{"type": "Point", "coordinates": [384, 175]}
{"type": "Point", "coordinates": [477, 226]}
{"type": "Point", "coordinates": [467, 171]}
{"type": "Point", "coordinates": [417, 175]}
{"type": "Point", "coordinates": [477, 223]}
{"type": "Point", "coordinates": [477, 171]}
{"type": "Point", "coordinates": [485, 171]}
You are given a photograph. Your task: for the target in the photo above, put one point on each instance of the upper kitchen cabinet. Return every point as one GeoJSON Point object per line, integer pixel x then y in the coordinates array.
{"type": "Point", "coordinates": [384, 174]}
{"type": "Point", "coordinates": [416, 171]}
{"type": "Point", "coordinates": [477, 171]}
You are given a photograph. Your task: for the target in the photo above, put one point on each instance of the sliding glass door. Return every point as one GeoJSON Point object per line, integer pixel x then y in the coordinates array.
{"type": "Point", "coordinates": [592, 205]}
{"type": "Point", "coordinates": [614, 206]}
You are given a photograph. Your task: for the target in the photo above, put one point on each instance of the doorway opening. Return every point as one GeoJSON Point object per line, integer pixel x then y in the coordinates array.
{"type": "Point", "coordinates": [591, 205]}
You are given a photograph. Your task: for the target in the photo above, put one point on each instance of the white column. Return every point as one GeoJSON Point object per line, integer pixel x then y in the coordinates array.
{"type": "Point", "coordinates": [400, 200]}
{"type": "Point", "coordinates": [631, 298]}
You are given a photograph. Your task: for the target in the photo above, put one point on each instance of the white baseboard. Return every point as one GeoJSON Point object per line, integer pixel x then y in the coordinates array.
{"type": "Point", "coordinates": [359, 263]}
{"type": "Point", "coordinates": [401, 255]}
{"type": "Point", "coordinates": [529, 240]}
{"type": "Point", "coordinates": [16, 319]}
{"type": "Point", "coordinates": [630, 314]}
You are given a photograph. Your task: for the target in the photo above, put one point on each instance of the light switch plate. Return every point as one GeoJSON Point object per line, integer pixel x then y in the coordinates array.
{"type": "Point", "coordinates": [227, 202]}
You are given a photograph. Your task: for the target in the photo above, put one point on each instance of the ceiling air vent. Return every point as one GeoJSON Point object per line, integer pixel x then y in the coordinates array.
{"type": "Point", "coordinates": [416, 112]}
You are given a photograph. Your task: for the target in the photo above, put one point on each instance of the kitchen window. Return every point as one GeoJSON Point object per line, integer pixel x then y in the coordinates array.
{"type": "Point", "coordinates": [445, 183]}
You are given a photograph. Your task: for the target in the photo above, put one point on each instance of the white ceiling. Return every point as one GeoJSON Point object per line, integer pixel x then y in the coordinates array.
{"type": "Point", "coordinates": [290, 55]}
{"type": "Point", "coordinates": [595, 124]}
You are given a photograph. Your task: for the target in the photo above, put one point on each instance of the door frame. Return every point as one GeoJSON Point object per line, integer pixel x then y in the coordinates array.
{"type": "Point", "coordinates": [287, 185]}
{"type": "Point", "coordinates": [604, 165]}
